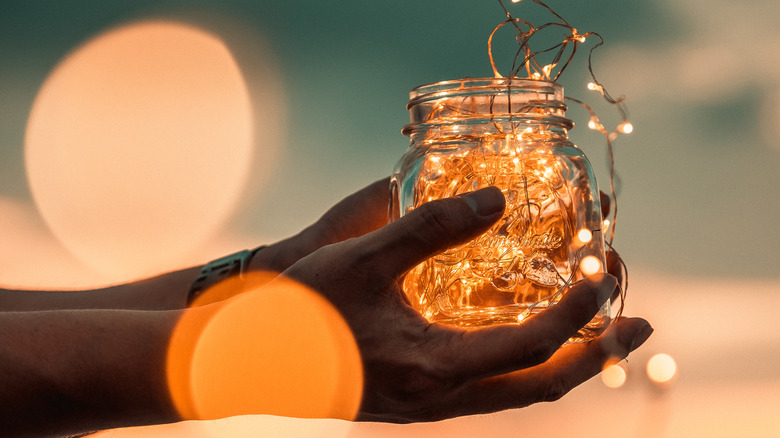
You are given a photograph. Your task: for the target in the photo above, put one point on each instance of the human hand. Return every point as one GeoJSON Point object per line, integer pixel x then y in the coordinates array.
{"type": "Point", "coordinates": [418, 371]}
{"type": "Point", "coordinates": [362, 212]}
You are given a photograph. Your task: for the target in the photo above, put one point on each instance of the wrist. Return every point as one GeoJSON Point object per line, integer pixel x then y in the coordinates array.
{"type": "Point", "coordinates": [276, 258]}
{"type": "Point", "coordinates": [226, 275]}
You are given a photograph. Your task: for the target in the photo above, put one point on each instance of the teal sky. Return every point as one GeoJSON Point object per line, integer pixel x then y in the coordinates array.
{"type": "Point", "coordinates": [703, 87]}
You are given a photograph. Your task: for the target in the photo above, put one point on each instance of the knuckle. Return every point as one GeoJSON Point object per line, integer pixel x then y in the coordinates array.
{"type": "Point", "coordinates": [436, 216]}
{"type": "Point", "coordinates": [440, 223]}
{"type": "Point", "coordinates": [539, 351]}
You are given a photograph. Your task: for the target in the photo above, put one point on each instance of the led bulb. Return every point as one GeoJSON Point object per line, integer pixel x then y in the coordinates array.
{"type": "Point", "coordinates": [626, 128]}
{"type": "Point", "coordinates": [661, 368]}
{"type": "Point", "coordinates": [594, 86]}
{"type": "Point", "coordinates": [614, 376]}
{"type": "Point", "coordinates": [585, 235]}
{"type": "Point", "coordinates": [575, 35]}
{"type": "Point", "coordinates": [590, 265]}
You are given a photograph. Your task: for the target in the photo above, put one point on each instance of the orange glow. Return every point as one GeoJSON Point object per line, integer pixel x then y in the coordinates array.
{"type": "Point", "coordinates": [138, 146]}
{"type": "Point", "coordinates": [614, 375]}
{"type": "Point", "coordinates": [590, 265]}
{"type": "Point", "coordinates": [661, 368]}
{"type": "Point", "coordinates": [594, 86]}
{"type": "Point", "coordinates": [584, 236]}
{"type": "Point", "coordinates": [280, 349]}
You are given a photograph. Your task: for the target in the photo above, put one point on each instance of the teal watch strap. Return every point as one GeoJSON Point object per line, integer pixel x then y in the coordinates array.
{"type": "Point", "coordinates": [232, 265]}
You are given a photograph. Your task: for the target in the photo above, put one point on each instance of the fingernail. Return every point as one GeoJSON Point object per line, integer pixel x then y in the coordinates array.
{"type": "Point", "coordinates": [485, 202]}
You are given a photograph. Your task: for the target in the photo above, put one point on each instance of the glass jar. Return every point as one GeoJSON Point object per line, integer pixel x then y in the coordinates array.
{"type": "Point", "coordinates": [510, 133]}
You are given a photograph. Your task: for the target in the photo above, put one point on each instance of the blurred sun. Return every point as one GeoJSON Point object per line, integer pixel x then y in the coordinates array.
{"type": "Point", "coordinates": [139, 145]}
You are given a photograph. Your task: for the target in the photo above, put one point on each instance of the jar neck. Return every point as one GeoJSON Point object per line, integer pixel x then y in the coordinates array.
{"type": "Point", "coordinates": [490, 106]}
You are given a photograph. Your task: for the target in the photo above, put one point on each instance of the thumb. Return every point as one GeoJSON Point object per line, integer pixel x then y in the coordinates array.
{"type": "Point", "coordinates": [432, 228]}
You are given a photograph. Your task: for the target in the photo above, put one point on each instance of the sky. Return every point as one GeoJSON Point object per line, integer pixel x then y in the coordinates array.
{"type": "Point", "coordinates": [309, 107]}
{"type": "Point", "coordinates": [700, 80]}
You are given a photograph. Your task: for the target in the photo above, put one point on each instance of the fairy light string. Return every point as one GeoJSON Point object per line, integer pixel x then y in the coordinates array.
{"type": "Point", "coordinates": [523, 265]}
{"type": "Point", "coordinates": [563, 53]}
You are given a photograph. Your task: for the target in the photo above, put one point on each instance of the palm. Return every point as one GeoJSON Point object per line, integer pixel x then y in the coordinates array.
{"type": "Point", "coordinates": [418, 371]}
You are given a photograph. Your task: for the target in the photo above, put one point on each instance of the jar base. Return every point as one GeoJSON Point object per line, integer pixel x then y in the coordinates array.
{"type": "Point", "coordinates": [477, 318]}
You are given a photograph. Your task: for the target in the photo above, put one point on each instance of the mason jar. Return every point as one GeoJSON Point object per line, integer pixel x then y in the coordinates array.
{"type": "Point", "coordinates": [513, 134]}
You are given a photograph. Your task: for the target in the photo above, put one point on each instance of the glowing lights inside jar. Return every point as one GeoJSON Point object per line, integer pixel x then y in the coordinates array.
{"type": "Point", "coordinates": [464, 138]}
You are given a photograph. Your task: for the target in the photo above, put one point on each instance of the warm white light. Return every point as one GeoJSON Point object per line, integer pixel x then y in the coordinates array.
{"type": "Point", "coordinates": [661, 368]}
{"type": "Point", "coordinates": [594, 86]}
{"type": "Point", "coordinates": [590, 265]}
{"type": "Point", "coordinates": [606, 223]}
{"type": "Point", "coordinates": [585, 235]}
{"type": "Point", "coordinates": [626, 128]}
{"type": "Point", "coordinates": [614, 376]}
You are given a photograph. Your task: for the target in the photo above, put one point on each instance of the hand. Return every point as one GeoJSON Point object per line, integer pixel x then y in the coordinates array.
{"type": "Point", "coordinates": [356, 215]}
{"type": "Point", "coordinates": [418, 371]}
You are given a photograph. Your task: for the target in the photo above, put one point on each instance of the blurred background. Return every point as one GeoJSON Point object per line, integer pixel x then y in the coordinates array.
{"type": "Point", "coordinates": [242, 121]}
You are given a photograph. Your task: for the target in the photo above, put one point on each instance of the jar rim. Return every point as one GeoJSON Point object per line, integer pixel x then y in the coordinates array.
{"type": "Point", "coordinates": [436, 90]}
{"type": "Point", "coordinates": [486, 100]}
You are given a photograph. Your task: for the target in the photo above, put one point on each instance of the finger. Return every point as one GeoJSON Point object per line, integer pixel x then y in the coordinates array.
{"type": "Point", "coordinates": [569, 367]}
{"type": "Point", "coordinates": [505, 348]}
{"type": "Point", "coordinates": [357, 214]}
{"type": "Point", "coordinates": [428, 230]}
{"type": "Point", "coordinates": [605, 204]}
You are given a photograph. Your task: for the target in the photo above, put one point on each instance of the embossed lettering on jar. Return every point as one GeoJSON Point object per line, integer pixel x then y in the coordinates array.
{"type": "Point", "coordinates": [513, 134]}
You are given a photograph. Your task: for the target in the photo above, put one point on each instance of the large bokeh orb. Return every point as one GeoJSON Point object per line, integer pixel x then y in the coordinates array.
{"type": "Point", "coordinates": [139, 144]}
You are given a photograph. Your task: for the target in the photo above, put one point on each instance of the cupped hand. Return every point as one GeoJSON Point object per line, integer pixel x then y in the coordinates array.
{"type": "Point", "coordinates": [355, 215]}
{"type": "Point", "coordinates": [419, 371]}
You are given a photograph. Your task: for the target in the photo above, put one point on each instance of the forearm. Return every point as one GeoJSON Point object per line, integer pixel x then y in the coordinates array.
{"type": "Point", "coordinates": [69, 371]}
{"type": "Point", "coordinates": [164, 292]}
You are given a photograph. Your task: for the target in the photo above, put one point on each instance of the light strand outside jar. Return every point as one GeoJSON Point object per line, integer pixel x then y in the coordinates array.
{"type": "Point", "coordinates": [513, 134]}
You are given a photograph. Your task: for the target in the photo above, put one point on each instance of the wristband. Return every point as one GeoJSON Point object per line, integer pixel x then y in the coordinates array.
{"type": "Point", "coordinates": [221, 269]}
